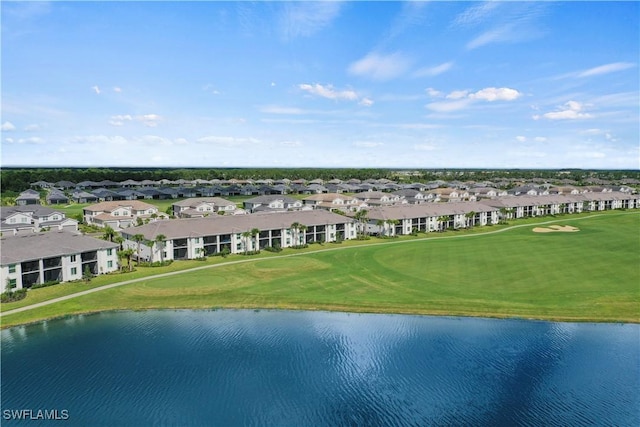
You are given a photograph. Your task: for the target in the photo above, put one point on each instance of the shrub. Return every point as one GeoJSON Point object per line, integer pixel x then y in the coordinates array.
{"type": "Point", "coordinates": [13, 295]}
{"type": "Point", "coordinates": [156, 263]}
{"type": "Point", "coordinates": [273, 249]}
{"type": "Point", "coordinates": [45, 284]}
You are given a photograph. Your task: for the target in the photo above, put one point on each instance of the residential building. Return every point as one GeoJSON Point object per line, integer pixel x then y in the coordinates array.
{"type": "Point", "coordinates": [334, 201]}
{"type": "Point", "coordinates": [379, 198]}
{"type": "Point", "coordinates": [29, 219]}
{"type": "Point", "coordinates": [274, 202]}
{"type": "Point", "coordinates": [28, 197]}
{"type": "Point", "coordinates": [53, 256]}
{"type": "Point", "coordinates": [200, 207]}
{"type": "Point", "coordinates": [428, 217]}
{"type": "Point", "coordinates": [195, 237]}
{"type": "Point", "coordinates": [119, 214]}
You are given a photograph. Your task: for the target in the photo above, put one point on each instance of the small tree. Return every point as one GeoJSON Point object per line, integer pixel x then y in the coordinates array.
{"type": "Point", "coordinates": [86, 274]}
{"type": "Point", "coordinates": [127, 254]}
{"type": "Point", "coordinates": [391, 223]}
{"type": "Point", "coordinates": [245, 237]}
{"type": "Point", "coordinates": [302, 229]}
{"type": "Point", "coordinates": [255, 232]}
{"type": "Point", "coordinates": [159, 240]}
{"type": "Point", "coordinates": [138, 238]}
{"type": "Point", "coordinates": [109, 233]}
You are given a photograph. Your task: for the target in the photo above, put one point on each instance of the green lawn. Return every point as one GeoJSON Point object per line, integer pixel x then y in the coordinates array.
{"type": "Point", "coordinates": [592, 274]}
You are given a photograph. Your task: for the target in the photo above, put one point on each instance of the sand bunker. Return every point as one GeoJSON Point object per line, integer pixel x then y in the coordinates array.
{"type": "Point", "coordinates": [554, 228]}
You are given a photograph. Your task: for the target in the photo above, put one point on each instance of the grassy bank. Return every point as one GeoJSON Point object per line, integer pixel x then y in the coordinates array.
{"type": "Point", "coordinates": [590, 275]}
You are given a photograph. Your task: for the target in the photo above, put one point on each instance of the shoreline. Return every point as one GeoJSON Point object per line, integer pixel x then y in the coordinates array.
{"type": "Point", "coordinates": [311, 306]}
{"type": "Point", "coordinates": [487, 316]}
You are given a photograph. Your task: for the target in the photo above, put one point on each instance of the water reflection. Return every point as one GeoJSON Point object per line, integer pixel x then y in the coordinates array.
{"type": "Point", "coordinates": [315, 368]}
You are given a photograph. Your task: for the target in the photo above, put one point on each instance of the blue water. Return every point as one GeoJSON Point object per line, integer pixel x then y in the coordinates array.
{"type": "Point", "coordinates": [222, 368]}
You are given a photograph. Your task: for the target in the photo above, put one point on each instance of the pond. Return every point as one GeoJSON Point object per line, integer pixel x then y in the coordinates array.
{"type": "Point", "coordinates": [242, 367]}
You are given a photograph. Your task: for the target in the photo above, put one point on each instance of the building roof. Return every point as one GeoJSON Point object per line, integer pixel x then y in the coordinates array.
{"type": "Point", "coordinates": [110, 206]}
{"type": "Point", "coordinates": [228, 224]}
{"type": "Point", "coordinates": [35, 246]}
{"type": "Point", "coordinates": [427, 210]}
{"type": "Point", "coordinates": [35, 211]}
{"type": "Point", "coordinates": [195, 201]}
{"type": "Point", "coordinates": [270, 198]}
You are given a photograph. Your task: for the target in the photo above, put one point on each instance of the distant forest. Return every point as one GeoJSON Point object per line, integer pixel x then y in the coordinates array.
{"type": "Point", "coordinates": [18, 179]}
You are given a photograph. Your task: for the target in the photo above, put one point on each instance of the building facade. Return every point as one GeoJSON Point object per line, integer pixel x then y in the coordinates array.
{"type": "Point", "coordinates": [53, 256]}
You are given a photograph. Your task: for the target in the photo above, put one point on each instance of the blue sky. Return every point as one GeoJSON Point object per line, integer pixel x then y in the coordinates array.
{"type": "Point", "coordinates": [327, 84]}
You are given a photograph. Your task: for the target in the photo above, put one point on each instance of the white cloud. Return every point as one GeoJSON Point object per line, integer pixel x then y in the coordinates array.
{"type": "Point", "coordinates": [433, 71]}
{"type": "Point", "coordinates": [303, 19]}
{"type": "Point", "coordinates": [433, 93]}
{"type": "Point", "coordinates": [120, 119]}
{"type": "Point", "coordinates": [571, 110]}
{"type": "Point", "coordinates": [380, 67]}
{"type": "Point", "coordinates": [100, 140]}
{"type": "Point", "coordinates": [32, 127]}
{"type": "Point", "coordinates": [367, 144]}
{"type": "Point", "coordinates": [461, 99]}
{"type": "Point", "coordinates": [7, 127]}
{"type": "Point", "coordinates": [228, 141]}
{"type": "Point", "coordinates": [366, 102]}
{"type": "Point", "coordinates": [149, 120]}
{"type": "Point", "coordinates": [540, 139]}
{"type": "Point", "coordinates": [117, 89]}
{"type": "Point", "coordinates": [521, 138]}
{"type": "Point", "coordinates": [180, 141]}
{"type": "Point", "coordinates": [496, 35]}
{"type": "Point", "coordinates": [9, 140]}
{"type": "Point", "coordinates": [276, 109]}
{"type": "Point", "coordinates": [606, 69]}
{"type": "Point", "coordinates": [327, 91]}
{"type": "Point", "coordinates": [424, 147]}
{"type": "Point", "coordinates": [32, 140]}
{"type": "Point", "coordinates": [476, 14]}
{"type": "Point", "coordinates": [449, 106]}
{"type": "Point", "coordinates": [96, 89]}
{"type": "Point", "coordinates": [496, 94]}
{"type": "Point", "coordinates": [457, 94]}
{"type": "Point", "coordinates": [291, 143]}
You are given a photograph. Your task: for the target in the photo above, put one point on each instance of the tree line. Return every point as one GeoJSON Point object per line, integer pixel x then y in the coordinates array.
{"type": "Point", "coordinates": [18, 179]}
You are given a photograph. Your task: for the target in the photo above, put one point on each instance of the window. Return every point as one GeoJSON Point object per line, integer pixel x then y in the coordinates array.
{"type": "Point", "coordinates": [109, 252]}
{"type": "Point", "coordinates": [12, 283]}
{"type": "Point", "coordinates": [73, 258]}
{"type": "Point", "coordinates": [110, 264]}
{"type": "Point", "coordinates": [74, 271]}
{"type": "Point", "coordinates": [12, 268]}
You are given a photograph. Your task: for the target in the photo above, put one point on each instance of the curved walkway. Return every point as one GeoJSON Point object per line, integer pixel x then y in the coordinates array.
{"type": "Point", "coordinates": [173, 273]}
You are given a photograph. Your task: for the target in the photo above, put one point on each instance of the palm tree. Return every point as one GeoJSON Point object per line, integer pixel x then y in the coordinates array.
{"type": "Point", "coordinates": [380, 223]}
{"type": "Point", "coordinates": [443, 221]}
{"type": "Point", "coordinates": [255, 232]}
{"type": "Point", "coordinates": [470, 216]}
{"type": "Point", "coordinates": [138, 238]}
{"type": "Point", "coordinates": [109, 233]}
{"type": "Point", "coordinates": [294, 228]}
{"type": "Point", "coordinates": [126, 253]}
{"type": "Point", "coordinates": [302, 229]}
{"type": "Point", "coordinates": [362, 217]}
{"type": "Point", "coordinates": [245, 237]}
{"type": "Point", "coordinates": [119, 240]}
{"type": "Point", "coordinates": [159, 240]}
{"type": "Point", "coordinates": [391, 223]}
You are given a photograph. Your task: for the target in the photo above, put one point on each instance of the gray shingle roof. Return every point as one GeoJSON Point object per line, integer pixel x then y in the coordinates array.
{"type": "Point", "coordinates": [17, 249]}
{"type": "Point", "coordinates": [216, 224]}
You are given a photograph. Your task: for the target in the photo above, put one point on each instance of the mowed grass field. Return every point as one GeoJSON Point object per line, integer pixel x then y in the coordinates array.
{"type": "Point", "coordinates": [589, 275]}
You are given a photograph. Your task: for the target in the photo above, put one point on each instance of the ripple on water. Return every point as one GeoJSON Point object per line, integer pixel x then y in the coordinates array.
{"type": "Point", "coordinates": [296, 368]}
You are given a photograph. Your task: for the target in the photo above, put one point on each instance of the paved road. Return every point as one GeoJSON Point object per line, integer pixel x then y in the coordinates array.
{"type": "Point", "coordinates": [173, 273]}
